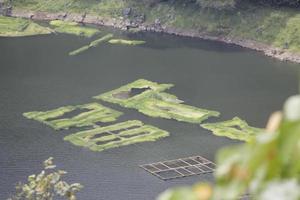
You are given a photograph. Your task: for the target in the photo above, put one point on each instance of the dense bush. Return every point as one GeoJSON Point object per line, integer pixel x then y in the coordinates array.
{"type": "Point", "coordinates": [47, 185]}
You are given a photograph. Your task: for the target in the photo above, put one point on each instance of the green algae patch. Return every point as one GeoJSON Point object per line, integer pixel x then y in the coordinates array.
{"type": "Point", "coordinates": [131, 93]}
{"type": "Point", "coordinates": [73, 28]}
{"type": "Point", "coordinates": [116, 135]}
{"type": "Point", "coordinates": [16, 27]}
{"type": "Point", "coordinates": [79, 51]}
{"type": "Point", "coordinates": [169, 110]}
{"type": "Point", "coordinates": [94, 43]}
{"type": "Point", "coordinates": [126, 42]}
{"type": "Point", "coordinates": [150, 99]}
{"type": "Point", "coordinates": [101, 40]}
{"type": "Point", "coordinates": [89, 115]}
{"type": "Point", "coordinates": [234, 129]}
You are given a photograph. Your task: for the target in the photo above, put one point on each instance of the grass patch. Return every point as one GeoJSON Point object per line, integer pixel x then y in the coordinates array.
{"type": "Point", "coordinates": [289, 37]}
{"type": "Point", "coordinates": [152, 101]}
{"type": "Point", "coordinates": [55, 118]}
{"type": "Point", "coordinates": [117, 135]}
{"type": "Point", "coordinates": [73, 28]}
{"type": "Point", "coordinates": [15, 27]}
{"type": "Point", "coordinates": [234, 129]}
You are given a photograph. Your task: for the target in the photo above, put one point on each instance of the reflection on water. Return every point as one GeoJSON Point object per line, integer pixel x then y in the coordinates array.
{"type": "Point", "coordinates": [36, 73]}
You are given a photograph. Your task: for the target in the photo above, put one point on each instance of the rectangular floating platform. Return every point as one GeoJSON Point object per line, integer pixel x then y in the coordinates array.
{"type": "Point", "coordinates": [116, 135]}
{"type": "Point", "coordinates": [89, 115]}
{"type": "Point", "coordinates": [150, 99]}
{"type": "Point", "coordinates": [180, 168]}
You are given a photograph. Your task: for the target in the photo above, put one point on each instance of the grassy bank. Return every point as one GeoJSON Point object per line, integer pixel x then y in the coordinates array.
{"type": "Point", "coordinates": [272, 26]}
{"type": "Point", "coordinates": [12, 27]}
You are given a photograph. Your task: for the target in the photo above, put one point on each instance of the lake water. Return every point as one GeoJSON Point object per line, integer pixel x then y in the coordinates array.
{"type": "Point", "coordinates": [36, 73]}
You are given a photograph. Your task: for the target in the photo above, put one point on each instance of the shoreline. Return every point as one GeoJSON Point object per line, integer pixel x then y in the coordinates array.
{"type": "Point", "coordinates": [125, 24]}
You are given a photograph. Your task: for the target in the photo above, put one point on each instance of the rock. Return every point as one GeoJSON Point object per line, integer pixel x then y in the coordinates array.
{"type": "Point", "coordinates": [273, 51]}
{"type": "Point", "coordinates": [75, 17]}
{"type": "Point", "coordinates": [157, 22]}
{"type": "Point", "coordinates": [139, 19]}
{"type": "Point", "coordinates": [126, 12]}
{"type": "Point", "coordinates": [90, 19]}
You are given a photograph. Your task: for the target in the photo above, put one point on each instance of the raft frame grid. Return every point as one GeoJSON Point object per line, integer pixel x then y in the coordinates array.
{"type": "Point", "coordinates": [180, 168]}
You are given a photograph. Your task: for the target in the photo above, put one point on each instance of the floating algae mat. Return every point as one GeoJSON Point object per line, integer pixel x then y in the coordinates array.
{"type": "Point", "coordinates": [233, 129]}
{"type": "Point", "coordinates": [117, 135]}
{"type": "Point", "coordinates": [80, 50]}
{"type": "Point", "coordinates": [16, 27]}
{"type": "Point", "coordinates": [94, 43]}
{"type": "Point", "coordinates": [73, 28]}
{"type": "Point", "coordinates": [148, 98]}
{"type": "Point", "coordinates": [89, 115]}
{"type": "Point", "coordinates": [126, 42]}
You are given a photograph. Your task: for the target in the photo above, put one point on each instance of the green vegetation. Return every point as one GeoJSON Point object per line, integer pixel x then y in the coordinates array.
{"type": "Point", "coordinates": [14, 27]}
{"type": "Point", "coordinates": [73, 28]}
{"type": "Point", "coordinates": [47, 185]}
{"type": "Point", "coordinates": [126, 42]}
{"type": "Point", "coordinates": [92, 44]}
{"type": "Point", "coordinates": [234, 129]}
{"type": "Point", "coordinates": [267, 168]}
{"type": "Point", "coordinates": [268, 25]}
{"type": "Point", "coordinates": [117, 135]}
{"type": "Point", "coordinates": [91, 114]}
{"type": "Point", "coordinates": [109, 8]}
{"type": "Point", "coordinates": [148, 98]}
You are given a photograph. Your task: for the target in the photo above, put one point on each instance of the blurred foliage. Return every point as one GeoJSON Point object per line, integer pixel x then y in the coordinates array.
{"type": "Point", "coordinates": [46, 185]}
{"type": "Point", "coordinates": [267, 168]}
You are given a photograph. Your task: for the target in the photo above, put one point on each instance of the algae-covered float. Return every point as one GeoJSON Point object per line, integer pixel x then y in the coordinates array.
{"type": "Point", "coordinates": [73, 28]}
{"type": "Point", "coordinates": [116, 135]}
{"type": "Point", "coordinates": [150, 99]}
{"type": "Point", "coordinates": [94, 43]}
{"type": "Point", "coordinates": [126, 42]}
{"type": "Point", "coordinates": [89, 115]}
{"type": "Point", "coordinates": [17, 27]}
{"type": "Point", "coordinates": [234, 129]}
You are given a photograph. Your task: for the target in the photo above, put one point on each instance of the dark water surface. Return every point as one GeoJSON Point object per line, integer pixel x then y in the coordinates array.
{"type": "Point", "coordinates": [36, 73]}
